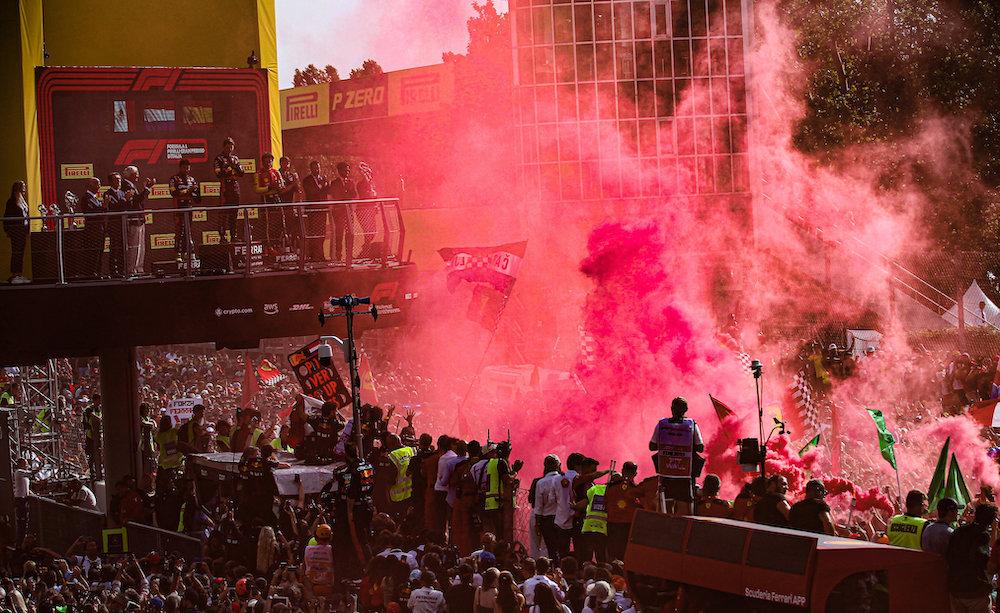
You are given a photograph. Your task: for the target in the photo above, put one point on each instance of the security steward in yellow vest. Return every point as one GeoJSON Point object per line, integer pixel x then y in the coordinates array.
{"type": "Point", "coordinates": [170, 462]}
{"type": "Point", "coordinates": [907, 529]}
{"type": "Point", "coordinates": [248, 432]}
{"type": "Point", "coordinates": [400, 492]}
{"type": "Point", "coordinates": [594, 532]}
{"type": "Point", "coordinates": [223, 435]}
{"type": "Point", "coordinates": [191, 434]}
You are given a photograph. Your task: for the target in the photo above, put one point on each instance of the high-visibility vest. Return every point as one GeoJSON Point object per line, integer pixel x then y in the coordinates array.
{"type": "Point", "coordinates": [255, 437]}
{"type": "Point", "coordinates": [403, 488]}
{"type": "Point", "coordinates": [170, 456]}
{"type": "Point", "coordinates": [276, 443]}
{"type": "Point", "coordinates": [596, 519]}
{"type": "Point", "coordinates": [223, 440]}
{"type": "Point", "coordinates": [492, 500]}
{"type": "Point", "coordinates": [906, 531]}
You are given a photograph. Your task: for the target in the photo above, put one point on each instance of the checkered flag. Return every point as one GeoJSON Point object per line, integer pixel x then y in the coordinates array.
{"type": "Point", "coordinates": [745, 361]}
{"type": "Point", "coordinates": [588, 350]}
{"type": "Point", "coordinates": [806, 405]}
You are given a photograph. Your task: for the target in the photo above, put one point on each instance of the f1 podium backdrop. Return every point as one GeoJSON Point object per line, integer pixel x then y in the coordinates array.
{"type": "Point", "coordinates": [93, 121]}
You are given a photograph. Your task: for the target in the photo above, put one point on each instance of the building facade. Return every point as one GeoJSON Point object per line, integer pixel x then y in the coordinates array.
{"type": "Point", "coordinates": [632, 100]}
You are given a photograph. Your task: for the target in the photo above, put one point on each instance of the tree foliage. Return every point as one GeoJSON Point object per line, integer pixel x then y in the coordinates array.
{"type": "Point", "coordinates": [369, 68]}
{"type": "Point", "coordinates": [310, 75]}
{"type": "Point", "coordinates": [878, 69]}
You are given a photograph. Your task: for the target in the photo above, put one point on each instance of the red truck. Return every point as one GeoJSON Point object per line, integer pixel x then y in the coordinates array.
{"type": "Point", "coordinates": [702, 565]}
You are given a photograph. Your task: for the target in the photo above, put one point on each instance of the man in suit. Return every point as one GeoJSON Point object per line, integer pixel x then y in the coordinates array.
{"type": "Point", "coordinates": [95, 228]}
{"type": "Point", "coordinates": [342, 188]}
{"type": "Point", "coordinates": [115, 202]}
{"type": "Point", "coordinates": [135, 196]}
{"type": "Point", "coordinates": [317, 189]}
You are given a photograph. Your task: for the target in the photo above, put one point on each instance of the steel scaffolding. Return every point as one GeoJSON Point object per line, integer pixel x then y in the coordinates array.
{"type": "Point", "coordinates": [36, 429]}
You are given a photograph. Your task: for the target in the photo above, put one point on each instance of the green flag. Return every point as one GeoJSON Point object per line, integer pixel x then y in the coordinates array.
{"type": "Point", "coordinates": [885, 438]}
{"type": "Point", "coordinates": [936, 490]}
{"type": "Point", "coordinates": [810, 445]}
{"type": "Point", "coordinates": [955, 488]}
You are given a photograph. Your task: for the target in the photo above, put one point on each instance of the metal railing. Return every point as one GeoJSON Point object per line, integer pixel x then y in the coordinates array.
{"type": "Point", "coordinates": [70, 248]}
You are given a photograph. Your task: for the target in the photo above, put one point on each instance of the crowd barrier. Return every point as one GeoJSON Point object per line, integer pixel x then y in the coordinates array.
{"type": "Point", "coordinates": [59, 525]}
{"type": "Point", "coordinates": [67, 248]}
{"type": "Point", "coordinates": [143, 539]}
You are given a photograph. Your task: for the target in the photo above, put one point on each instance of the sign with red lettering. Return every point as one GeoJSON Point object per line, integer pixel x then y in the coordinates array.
{"type": "Point", "coordinates": [318, 381]}
{"type": "Point", "coordinates": [354, 99]}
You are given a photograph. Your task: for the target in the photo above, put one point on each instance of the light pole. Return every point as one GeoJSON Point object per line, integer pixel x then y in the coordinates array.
{"type": "Point", "coordinates": [347, 303]}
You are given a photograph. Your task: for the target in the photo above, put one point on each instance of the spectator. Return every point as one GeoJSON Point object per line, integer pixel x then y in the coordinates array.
{"type": "Point", "coordinates": [509, 599]}
{"type": "Point", "coordinates": [812, 514]}
{"type": "Point", "coordinates": [485, 598]}
{"type": "Point", "coordinates": [709, 503]}
{"type": "Point", "coordinates": [15, 224]}
{"type": "Point", "coordinates": [462, 594]}
{"type": "Point", "coordinates": [82, 496]}
{"type": "Point", "coordinates": [937, 534]}
{"type": "Point", "coordinates": [773, 509]}
{"type": "Point", "coordinates": [546, 602]}
{"type": "Point", "coordinates": [907, 529]}
{"type": "Point", "coordinates": [426, 599]}
{"type": "Point", "coordinates": [540, 577]}
{"type": "Point", "coordinates": [967, 556]}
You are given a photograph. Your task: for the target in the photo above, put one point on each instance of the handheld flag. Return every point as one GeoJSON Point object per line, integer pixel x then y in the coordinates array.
{"type": "Point", "coordinates": [250, 386]}
{"type": "Point", "coordinates": [813, 442]}
{"type": "Point", "coordinates": [955, 487]}
{"type": "Point", "coordinates": [936, 489]}
{"type": "Point", "coordinates": [886, 441]}
{"type": "Point", "coordinates": [269, 373]}
{"type": "Point", "coordinates": [721, 410]}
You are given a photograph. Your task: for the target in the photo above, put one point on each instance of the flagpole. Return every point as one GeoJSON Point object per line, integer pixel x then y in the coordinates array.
{"type": "Point", "coordinates": [899, 488]}
{"type": "Point", "coordinates": [479, 367]}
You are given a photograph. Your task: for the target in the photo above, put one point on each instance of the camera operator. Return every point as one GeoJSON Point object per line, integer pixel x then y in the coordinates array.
{"type": "Point", "coordinates": [257, 486]}
{"type": "Point", "coordinates": [677, 442]}
{"type": "Point", "coordinates": [353, 511]}
{"type": "Point", "coordinates": [186, 193]}
{"type": "Point", "coordinates": [228, 171]}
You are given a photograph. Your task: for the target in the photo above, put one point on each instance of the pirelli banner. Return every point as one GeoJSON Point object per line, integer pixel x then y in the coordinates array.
{"type": "Point", "coordinates": [93, 121]}
{"type": "Point", "coordinates": [403, 92]}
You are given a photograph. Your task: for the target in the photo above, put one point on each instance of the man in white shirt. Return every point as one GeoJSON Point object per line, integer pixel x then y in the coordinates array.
{"type": "Point", "coordinates": [564, 503]}
{"type": "Point", "coordinates": [547, 492]}
{"type": "Point", "coordinates": [528, 587]}
{"type": "Point", "coordinates": [82, 496]}
{"type": "Point", "coordinates": [446, 466]}
{"type": "Point", "coordinates": [426, 599]}
{"type": "Point", "coordinates": [22, 490]}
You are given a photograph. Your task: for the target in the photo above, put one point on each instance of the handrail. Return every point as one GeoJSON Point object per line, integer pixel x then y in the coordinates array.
{"type": "Point", "coordinates": [227, 207]}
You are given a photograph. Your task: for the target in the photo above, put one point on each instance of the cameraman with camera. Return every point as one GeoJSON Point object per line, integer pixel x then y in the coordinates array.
{"type": "Point", "coordinates": [677, 442]}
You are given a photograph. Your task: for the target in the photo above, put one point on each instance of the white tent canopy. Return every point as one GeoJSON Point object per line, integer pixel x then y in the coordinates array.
{"type": "Point", "coordinates": [979, 309]}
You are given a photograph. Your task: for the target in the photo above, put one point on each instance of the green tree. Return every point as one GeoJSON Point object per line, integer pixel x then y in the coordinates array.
{"type": "Point", "coordinates": [311, 75]}
{"type": "Point", "coordinates": [369, 68]}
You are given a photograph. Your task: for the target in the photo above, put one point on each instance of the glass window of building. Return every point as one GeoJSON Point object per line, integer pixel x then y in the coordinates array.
{"type": "Point", "coordinates": [662, 60]}
{"type": "Point", "coordinates": [626, 99]}
{"type": "Point", "coordinates": [605, 62]}
{"type": "Point", "coordinates": [545, 103]}
{"type": "Point", "coordinates": [643, 59]}
{"type": "Point", "coordinates": [606, 103]}
{"type": "Point", "coordinates": [525, 66]}
{"type": "Point", "coordinates": [623, 21]}
{"type": "Point", "coordinates": [586, 97]}
{"type": "Point", "coordinates": [679, 17]}
{"type": "Point", "coordinates": [625, 61]}
{"type": "Point", "coordinates": [645, 99]}
{"type": "Point", "coordinates": [661, 20]}
{"type": "Point", "coordinates": [584, 63]}
{"type": "Point", "coordinates": [589, 142]}
{"type": "Point", "coordinates": [565, 64]}
{"type": "Point", "coordinates": [569, 146]}
{"type": "Point", "coordinates": [584, 23]}
{"type": "Point", "coordinates": [523, 17]}
{"type": "Point", "coordinates": [682, 59]}
{"type": "Point", "coordinates": [569, 179]}
{"type": "Point", "coordinates": [545, 70]}
{"type": "Point", "coordinates": [640, 20]}
{"type": "Point", "coordinates": [567, 102]}
{"type": "Point", "coordinates": [734, 17]}
{"type": "Point", "coordinates": [664, 98]}
{"type": "Point", "coordinates": [699, 18]}
{"type": "Point", "coordinates": [602, 21]}
{"type": "Point", "coordinates": [563, 18]}
{"type": "Point", "coordinates": [541, 21]}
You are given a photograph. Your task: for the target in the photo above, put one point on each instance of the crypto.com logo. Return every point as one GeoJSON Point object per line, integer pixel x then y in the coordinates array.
{"type": "Point", "coordinates": [150, 150]}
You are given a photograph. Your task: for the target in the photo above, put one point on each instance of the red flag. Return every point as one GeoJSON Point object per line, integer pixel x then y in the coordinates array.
{"type": "Point", "coordinates": [721, 410]}
{"type": "Point", "coordinates": [250, 387]}
{"type": "Point", "coordinates": [486, 306]}
{"type": "Point", "coordinates": [269, 373]}
{"type": "Point", "coordinates": [498, 266]}
{"type": "Point", "coordinates": [985, 413]}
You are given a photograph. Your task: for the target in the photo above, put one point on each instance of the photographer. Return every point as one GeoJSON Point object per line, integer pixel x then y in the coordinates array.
{"type": "Point", "coordinates": [677, 442]}
{"type": "Point", "coordinates": [185, 191]}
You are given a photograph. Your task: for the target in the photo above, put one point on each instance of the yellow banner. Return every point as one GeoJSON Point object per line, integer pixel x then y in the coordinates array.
{"type": "Point", "coordinates": [254, 213]}
{"type": "Point", "coordinates": [161, 241]}
{"type": "Point", "coordinates": [159, 191]}
{"type": "Point", "coordinates": [248, 165]}
{"type": "Point", "coordinates": [211, 189]}
{"type": "Point", "coordinates": [76, 171]}
{"type": "Point", "coordinates": [210, 237]}
{"type": "Point", "coordinates": [306, 106]}
{"type": "Point", "coordinates": [199, 216]}
{"type": "Point", "coordinates": [149, 218]}
{"type": "Point", "coordinates": [421, 90]}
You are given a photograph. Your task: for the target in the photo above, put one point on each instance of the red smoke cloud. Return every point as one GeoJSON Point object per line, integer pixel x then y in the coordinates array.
{"type": "Point", "coordinates": [654, 284]}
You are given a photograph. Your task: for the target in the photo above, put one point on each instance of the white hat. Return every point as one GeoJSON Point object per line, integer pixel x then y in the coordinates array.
{"type": "Point", "coordinates": [601, 590]}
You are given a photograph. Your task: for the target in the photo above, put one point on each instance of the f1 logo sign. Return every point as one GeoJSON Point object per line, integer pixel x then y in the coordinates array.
{"type": "Point", "coordinates": [150, 150]}
{"type": "Point", "coordinates": [384, 292]}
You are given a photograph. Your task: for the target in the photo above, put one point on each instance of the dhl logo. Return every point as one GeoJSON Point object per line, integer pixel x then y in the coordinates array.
{"type": "Point", "coordinates": [150, 150]}
{"type": "Point", "coordinates": [302, 106]}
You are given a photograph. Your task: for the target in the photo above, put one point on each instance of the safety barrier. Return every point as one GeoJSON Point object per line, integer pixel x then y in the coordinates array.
{"type": "Point", "coordinates": [59, 525]}
{"type": "Point", "coordinates": [143, 539]}
{"type": "Point", "coordinates": [71, 248]}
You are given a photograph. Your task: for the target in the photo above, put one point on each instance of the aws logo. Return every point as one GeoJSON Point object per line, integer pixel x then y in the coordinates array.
{"type": "Point", "coordinates": [151, 150]}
